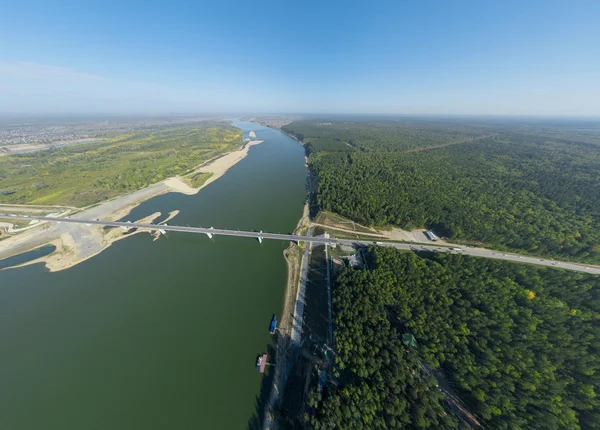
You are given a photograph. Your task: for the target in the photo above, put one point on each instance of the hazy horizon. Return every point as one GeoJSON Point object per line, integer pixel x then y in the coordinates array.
{"type": "Point", "coordinates": [539, 59]}
{"type": "Point", "coordinates": [300, 115]}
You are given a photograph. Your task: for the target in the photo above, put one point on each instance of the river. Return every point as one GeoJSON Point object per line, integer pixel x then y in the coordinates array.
{"type": "Point", "coordinates": [157, 335]}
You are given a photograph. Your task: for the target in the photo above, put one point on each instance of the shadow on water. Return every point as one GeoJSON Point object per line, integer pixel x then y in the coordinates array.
{"type": "Point", "coordinates": [260, 402]}
{"type": "Point", "coordinates": [26, 257]}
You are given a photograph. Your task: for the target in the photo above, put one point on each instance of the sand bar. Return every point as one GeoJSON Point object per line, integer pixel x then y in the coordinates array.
{"type": "Point", "coordinates": [88, 241]}
{"type": "Point", "coordinates": [68, 252]}
{"type": "Point", "coordinates": [217, 167]}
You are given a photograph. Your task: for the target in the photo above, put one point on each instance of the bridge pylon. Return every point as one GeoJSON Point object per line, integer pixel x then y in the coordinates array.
{"type": "Point", "coordinates": [210, 235]}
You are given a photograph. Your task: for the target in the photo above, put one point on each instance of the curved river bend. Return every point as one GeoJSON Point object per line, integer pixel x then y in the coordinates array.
{"type": "Point", "coordinates": [157, 335]}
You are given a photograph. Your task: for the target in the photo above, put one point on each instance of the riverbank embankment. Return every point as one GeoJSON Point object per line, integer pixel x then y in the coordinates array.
{"type": "Point", "coordinates": [293, 259]}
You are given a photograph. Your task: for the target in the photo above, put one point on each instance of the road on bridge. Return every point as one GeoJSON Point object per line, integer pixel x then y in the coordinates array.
{"type": "Point", "coordinates": [474, 252]}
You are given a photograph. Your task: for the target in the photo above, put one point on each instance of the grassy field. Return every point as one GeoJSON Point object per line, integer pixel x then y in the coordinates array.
{"type": "Point", "coordinates": [335, 220]}
{"type": "Point", "coordinates": [196, 180]}
{"type": "Point", "coordinates": [81, 175]}
{"type": "Point", "coordinates": [16, 223]}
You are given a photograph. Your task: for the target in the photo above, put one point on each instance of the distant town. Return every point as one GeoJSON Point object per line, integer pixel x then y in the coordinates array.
{"type": "Point", "coordinates": [27, 135]}
{"type": "Point", "coordinates": [34, 134]}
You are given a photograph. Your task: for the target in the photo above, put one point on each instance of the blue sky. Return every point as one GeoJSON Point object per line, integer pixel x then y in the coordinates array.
{"type": "Point", "coordinates": [408, 57]}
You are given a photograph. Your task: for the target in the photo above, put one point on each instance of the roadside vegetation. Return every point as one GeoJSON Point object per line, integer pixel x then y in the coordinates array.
{"type": "Point", "coordinates": [81, 175]}
{"type": "Point", "coordinates": [505, 187]}
{"type": "Point", "coordinates": [517, 345]}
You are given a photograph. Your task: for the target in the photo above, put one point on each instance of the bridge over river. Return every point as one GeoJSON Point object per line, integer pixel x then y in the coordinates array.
{"type": "Point", "coordinates": [209, 231]}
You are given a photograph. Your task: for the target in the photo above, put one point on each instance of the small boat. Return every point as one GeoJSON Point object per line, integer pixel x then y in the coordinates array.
{"type": "Point", "coordinates": [261, 363]}
{"type": "Point", "coordinates": [273, 324]}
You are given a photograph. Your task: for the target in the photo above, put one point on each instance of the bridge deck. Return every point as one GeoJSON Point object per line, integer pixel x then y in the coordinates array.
{"type": "Point", "coordinates": [475, 252]}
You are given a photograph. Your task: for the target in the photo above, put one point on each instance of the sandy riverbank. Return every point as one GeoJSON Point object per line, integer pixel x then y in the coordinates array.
{"type": "Point", "coordinates": [293, 258]}
{"type": "Point", "coordinates": [217, 167]}
{"type": "Point", "coordinates": [67, 253]}
{"type": "Point", "coordinates": [88, 242]}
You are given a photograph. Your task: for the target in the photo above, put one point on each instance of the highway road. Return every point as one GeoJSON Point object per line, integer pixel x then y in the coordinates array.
{"type": "Point", "coordinates": [474, 252]}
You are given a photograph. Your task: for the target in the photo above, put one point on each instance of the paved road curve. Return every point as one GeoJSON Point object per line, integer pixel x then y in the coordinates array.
{"type": "Point", "coordinates": [475, 252]}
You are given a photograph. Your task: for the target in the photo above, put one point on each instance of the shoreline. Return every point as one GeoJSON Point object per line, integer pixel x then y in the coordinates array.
{"type": "Point", "coordinates": [293, 258]}
{"type": "Point", "coordinates": [292, 255]}
{"type": "Point", "coordinates": [218, 167]}
{"type": "Point", "coordinates": [113, 209]}
{"type": "Point", "coordinates": [65, 254]}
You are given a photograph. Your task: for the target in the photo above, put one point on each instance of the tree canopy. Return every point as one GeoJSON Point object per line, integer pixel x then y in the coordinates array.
{"type": "Point", "coordinates": [505, 188]}
{"type": "Point", "coordinates": [518, 344]}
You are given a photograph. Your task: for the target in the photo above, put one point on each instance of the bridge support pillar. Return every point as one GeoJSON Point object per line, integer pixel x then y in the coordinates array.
{"type": "Point", "coordinates": [210, 235]}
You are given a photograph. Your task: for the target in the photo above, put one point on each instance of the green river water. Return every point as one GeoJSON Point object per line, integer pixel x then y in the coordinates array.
{"type": "Point", "coordinates": [157, 335]}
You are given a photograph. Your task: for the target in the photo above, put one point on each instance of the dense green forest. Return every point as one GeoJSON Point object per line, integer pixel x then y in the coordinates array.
{"type": "Point", "coordinates": [377, 136]}
{"type": "Point", "coordinates": [476, 183]}
{"type": "Point", "coordinates": [81, 175]}
{"type": "Point", "coordinates": [519, 345]}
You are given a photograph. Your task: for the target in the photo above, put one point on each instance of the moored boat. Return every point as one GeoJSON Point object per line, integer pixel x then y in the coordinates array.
{"type": "Point", "coordinates": [261, 363]}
